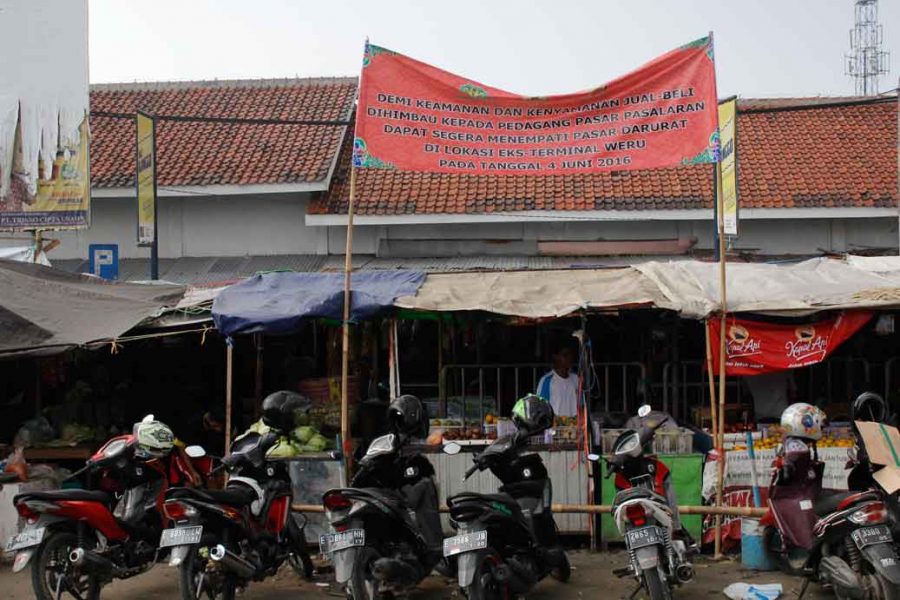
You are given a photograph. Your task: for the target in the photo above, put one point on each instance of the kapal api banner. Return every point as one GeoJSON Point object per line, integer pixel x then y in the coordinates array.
{"type": "Point", "coordinates": [754, 347]}
{"type": "Point", "coordinates": [44, 134]}
{"type": "Point", "coordinates": [416, 117]}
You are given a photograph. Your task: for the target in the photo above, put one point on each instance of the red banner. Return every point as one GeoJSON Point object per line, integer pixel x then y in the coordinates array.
{"type": "Point", "coordinates": [416, 117]}
{"type": "Point", "coordinates": [754, 347]}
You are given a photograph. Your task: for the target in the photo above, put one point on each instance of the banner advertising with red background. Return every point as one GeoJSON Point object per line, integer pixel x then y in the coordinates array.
{"type": "Point", "coordinates": [416, 117]}
{"type": "Point", "coordinates": [754, 347]}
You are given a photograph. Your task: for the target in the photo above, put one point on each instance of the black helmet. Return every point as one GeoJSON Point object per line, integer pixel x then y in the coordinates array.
{"type": "Point", "coordinates": [278, 409]}
{"type": "Point", "coordinates": [869, 406]}
{"type": "Point", "coordinates": [407, 415]}
{"type": "Point", "coordinates": [532, 414]}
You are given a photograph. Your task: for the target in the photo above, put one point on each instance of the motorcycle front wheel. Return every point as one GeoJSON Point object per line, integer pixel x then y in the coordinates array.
{"type": "Point", "coordinates": [656, 586]}
{"type": "Point", "coordinates": [485, 585]}
{"type": "Point", "coordinates": [54, 577]}
{"type": "Point", "coordinates": [199, 581]}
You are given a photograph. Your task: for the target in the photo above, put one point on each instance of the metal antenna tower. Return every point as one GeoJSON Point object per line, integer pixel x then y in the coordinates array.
{"type": "Point", "coordinates": [866, 61]}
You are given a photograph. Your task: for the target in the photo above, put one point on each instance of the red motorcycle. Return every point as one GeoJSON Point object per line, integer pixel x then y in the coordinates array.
{"type": "Point", "coordinates": [77, 540]}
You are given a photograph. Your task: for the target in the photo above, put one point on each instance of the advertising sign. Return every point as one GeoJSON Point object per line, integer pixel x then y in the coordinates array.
{"type": "Point", "coordinates": [754, 347]}
{"type": "Point", "coordinates": [44, 132]}
{"type": "Point", "coordinates": [728, 187]}
{"type": "Point", "coordinates": [413, 116]}
{"type": "Point", "coordinates": [146, 179]}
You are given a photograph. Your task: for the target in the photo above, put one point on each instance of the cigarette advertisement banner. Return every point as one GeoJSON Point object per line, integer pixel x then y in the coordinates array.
{"type": "Point", "coordinates": [727, 188]}
{"type": "Point", "coordinates": [146, 179]}
{"type": "Point", "coordinates": [754, 347]}
{"type": "Point", "coordinates": [44, 130]}
{"type": "Point", "coordinates": [416, 117]}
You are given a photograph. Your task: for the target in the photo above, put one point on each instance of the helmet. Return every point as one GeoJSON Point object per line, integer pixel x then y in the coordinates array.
{"type": "Point", "coordinates": [407, 415]}
{"type": "Point", "coordinates": [803, 420]}
{"type": "Point", "coordinates": [278, 409]}
{"type": "Point", "coordinates": [153, 438]}
{"type": "Point", "coordinates": [533, 414]}
{"type": "Point", "coordinates": [869, 406]}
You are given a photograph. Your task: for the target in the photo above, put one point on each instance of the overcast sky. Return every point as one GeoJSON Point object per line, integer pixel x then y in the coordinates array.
{"type": "Point", "coordinates": [763, 47]}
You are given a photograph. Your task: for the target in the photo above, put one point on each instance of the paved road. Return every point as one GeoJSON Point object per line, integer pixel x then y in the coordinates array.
{"type": "Point", "coordinates": [591, 578]}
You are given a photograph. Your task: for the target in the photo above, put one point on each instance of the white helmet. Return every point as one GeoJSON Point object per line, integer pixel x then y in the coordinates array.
{"type": "Point", "coordinates": [153, 438]}
{"type": "Point", "coordinates": [802, 420]}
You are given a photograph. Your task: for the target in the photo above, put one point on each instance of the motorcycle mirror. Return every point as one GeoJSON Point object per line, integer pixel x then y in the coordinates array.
{"type": "Point", "coordinates": [644, 410]}
{"type": "Point", "coordinates": [148, 419]}
{"type": "Point", "coordinates": [452, 448]}
{"type": "Point", "coordinates": [593, 457]}
{"type": "Point", "coordinates": [195, 451]}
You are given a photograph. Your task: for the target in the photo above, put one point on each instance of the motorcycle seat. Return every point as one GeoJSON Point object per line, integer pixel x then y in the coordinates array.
{"type": "Point", "coordinates": [503, 499]}
{"type": "Point", "coordinates": [73, 494]}
{"type": "Point", "coordinates": [237, 495]}
{"type": "Point", "coordinates": [826, 505]}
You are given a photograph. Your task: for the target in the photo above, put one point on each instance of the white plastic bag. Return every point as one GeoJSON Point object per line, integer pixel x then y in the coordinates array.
{"type": "Point", "coordinates": [746, 591]}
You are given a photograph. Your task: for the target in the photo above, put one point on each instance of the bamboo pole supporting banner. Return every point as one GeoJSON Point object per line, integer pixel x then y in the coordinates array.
{"type": "Point", "coordinates": [720, 446]}
{"type": "Point", "coordinates": [346, 441]}
{"type": "Point", "coordinates": [602, 509]}
{"type": "Point", "coordinates": [229, 365]}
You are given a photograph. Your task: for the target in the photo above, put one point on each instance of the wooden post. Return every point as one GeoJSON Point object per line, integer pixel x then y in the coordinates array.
{"type": "Point", "coordinates": [714, 422]}
{"type": "Point", "coordinates": [720, 446]}
{"type": "Point", "coordinates": [346, 441]}
{"type": "Point", "coordinates": [229, 389]}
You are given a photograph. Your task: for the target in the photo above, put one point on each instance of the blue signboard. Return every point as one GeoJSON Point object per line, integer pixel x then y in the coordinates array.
{"type": "Point", "coordinates": [104, 260]}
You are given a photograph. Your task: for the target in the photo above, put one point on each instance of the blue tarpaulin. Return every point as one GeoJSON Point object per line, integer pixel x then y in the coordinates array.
{"type": "Point", "coordinates": [276, 303]}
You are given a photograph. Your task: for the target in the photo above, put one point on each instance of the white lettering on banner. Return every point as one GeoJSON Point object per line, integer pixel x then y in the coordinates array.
{"type": "Point", "coordinates": [805, 349]}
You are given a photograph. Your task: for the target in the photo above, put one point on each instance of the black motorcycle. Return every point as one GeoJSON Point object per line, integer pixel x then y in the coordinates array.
{"type": "Point", "coordinates": [387, 525]}
{"type": "Point", "coordinates": [223, 539]}
{"type": "Point", "coordinates": [506, 542]}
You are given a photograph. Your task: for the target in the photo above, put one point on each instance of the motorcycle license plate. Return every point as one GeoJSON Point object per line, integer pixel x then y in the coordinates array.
{"type": "Point", "coordinates": [25, 539]}
{"type": "Point", "coordinates": [645, 536]}
{"type": "Point", "coordinates": [181, 536]}
{"type": "Point", "coordinates": [465, 543]}
{"type": "Point", "coordinates": [332, 542]}
{"type": "Point", "coordinates": [868, 536]}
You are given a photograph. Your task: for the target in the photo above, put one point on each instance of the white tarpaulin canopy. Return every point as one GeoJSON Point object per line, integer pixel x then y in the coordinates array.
{"type": "Point", "coordinates": [534, 294]}
{"type": "Point", "coordinates": [690, 288]}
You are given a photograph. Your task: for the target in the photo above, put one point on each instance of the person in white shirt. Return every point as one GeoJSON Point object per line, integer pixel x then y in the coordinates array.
{"type": "Point", "coordinates": [560, 386]}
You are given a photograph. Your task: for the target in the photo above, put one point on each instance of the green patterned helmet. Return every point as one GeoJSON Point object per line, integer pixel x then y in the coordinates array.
{"type": "Point", "coordinates": [532, 414]}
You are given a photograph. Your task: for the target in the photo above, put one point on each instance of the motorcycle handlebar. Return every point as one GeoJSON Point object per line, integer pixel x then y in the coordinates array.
{"type": "Point", "coordinates": [471, 470]}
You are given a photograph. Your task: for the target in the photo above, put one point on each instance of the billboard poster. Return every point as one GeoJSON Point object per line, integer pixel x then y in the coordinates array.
{"type": "Point", "coordinates": [728, 187]}
{"type": "Point", "coordinates": [44, 129]}
{"type": "Point", "coordinates": [146, 179]}
{"type": "Point", "coordinates": [413, 116]}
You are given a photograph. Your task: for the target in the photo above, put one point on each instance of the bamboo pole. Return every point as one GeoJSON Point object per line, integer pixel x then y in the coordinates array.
{"type": "Point", "coordinates": [229, 365]}
{"type": "Point", "coordinates": [720, 481]}
{"type": "Point", "coordinates": [346, 441]}
{"type": "Point", "coordinates": [714, 423]}
{"type": "Point", "coordinates": [732, 511]}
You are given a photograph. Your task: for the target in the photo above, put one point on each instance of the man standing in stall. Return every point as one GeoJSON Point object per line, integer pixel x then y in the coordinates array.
{"type": "Point", "coordinates": [560, 386]}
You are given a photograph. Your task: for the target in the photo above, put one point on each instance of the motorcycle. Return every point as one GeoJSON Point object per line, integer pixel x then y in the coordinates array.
{"type": "Point", "coordinates": [842, 540]}
{"type": "Point", "coordinates": [78, 540]}
{"type": "Point", "coordinates": [387, 526]}
{"type": "Point", "coordinates": [223, 539]}
{"type": "Point", "coordinates": [645, 513]}
{"type": "Point", "coordinates": [507, 542]}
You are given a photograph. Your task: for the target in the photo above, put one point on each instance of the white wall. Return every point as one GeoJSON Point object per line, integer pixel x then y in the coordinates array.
{"type": "Point", "coordinates": [274, 224]}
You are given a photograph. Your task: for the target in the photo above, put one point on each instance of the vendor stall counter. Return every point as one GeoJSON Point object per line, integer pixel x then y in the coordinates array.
{"type": "Point", "coordinates": [568, 474]}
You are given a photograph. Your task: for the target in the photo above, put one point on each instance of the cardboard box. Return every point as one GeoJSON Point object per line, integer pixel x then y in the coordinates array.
{"type": "Point", "coordinates": [883, 445]}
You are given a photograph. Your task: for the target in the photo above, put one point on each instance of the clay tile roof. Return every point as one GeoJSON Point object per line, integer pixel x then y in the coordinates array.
{"type": "Point", "coordinates": [192, 153]}
{"type": "Point", "coordinates": [792, 152]}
